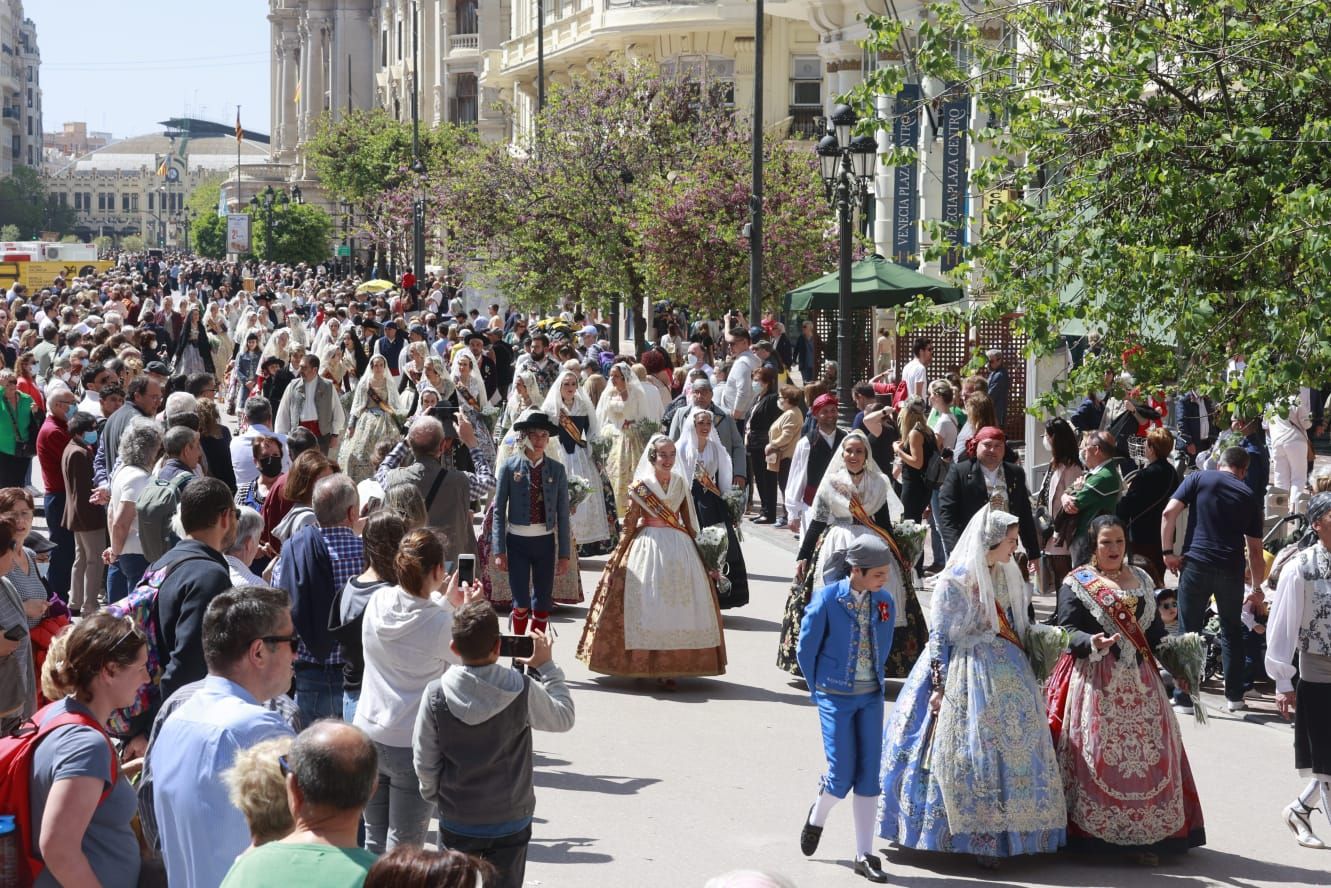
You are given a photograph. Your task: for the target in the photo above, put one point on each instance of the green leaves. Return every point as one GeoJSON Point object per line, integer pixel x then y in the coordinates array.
{"type": "Point", "coordinates": [1173, 165]}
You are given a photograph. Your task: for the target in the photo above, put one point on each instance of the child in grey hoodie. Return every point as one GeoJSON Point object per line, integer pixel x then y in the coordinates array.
{"type": "Point", "coordinates": [472, 747]}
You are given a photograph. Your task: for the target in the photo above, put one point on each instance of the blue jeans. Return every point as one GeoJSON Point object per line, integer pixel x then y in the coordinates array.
{"type": "Point", "coordinates": [62, 556]}
{"type": "Point", "coordinates": [852, 741]}
{"type": "Point", "coordinates": [123, 575]}
{"type": "Point", "coordinates": [531, 565]}
{"type": "Point", "coordinates": [318, 692]}
{"type": "Point", "coordinates": [396, 814]}
{"type": "Point", "coordinates": [349, 701]}
{"type": "Point", "coordinates": [1196, 584]}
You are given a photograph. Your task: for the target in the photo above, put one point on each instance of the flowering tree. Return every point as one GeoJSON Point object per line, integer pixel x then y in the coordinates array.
{"type": "Point", "coordinates": [690, 228]}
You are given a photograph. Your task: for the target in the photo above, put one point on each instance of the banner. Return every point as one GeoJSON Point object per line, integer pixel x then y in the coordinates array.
{"type": "Point", "coordinates": [237, 233]}
{"type": "Point", "coordinates": [905, 207]}
{"type": "Point", "coordinates": [956, 119]}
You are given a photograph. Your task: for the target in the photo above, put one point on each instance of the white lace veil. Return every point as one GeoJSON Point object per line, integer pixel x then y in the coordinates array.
{"type": "Point", "coordinates": [582, 405]}
{"type": "Point", "coordinates": [679, 486]}
{"type": "Point", "coordinates": [713, 457]}
{"type": "Point", "coordinates": [473, 383]}
{"type": "Point", "coordinates": [967, 566]}
{"type": "Point", "coordinates": [514, 406]}
{"type": "Point", "coordinates": [387, 390]}
{"type": "Point", "coordinates": [445, 387]}
{"type": "Point", "coordinates": [832, 501]}
{"type": "Point", "coordinates": [636, 404]}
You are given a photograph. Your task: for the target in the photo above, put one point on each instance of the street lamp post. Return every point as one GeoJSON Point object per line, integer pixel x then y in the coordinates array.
{"type": "Point", "coordinates": [187, 216]}
{"type": "Point", "coordinates": [161, 217]}
{"type": "Point", "coordinates": [417, 166]}
{"type": "Point", "coordinates": [344, 261]}
{"type": "Point", "coordinates": [270, 199]}
{"type": "Point", "coordinates": [847, 166]}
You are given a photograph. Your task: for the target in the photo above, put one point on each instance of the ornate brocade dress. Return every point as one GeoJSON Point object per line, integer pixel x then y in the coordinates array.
{"type": "Point", "coordinates": [654, 614]}
{"type": "Point", "coordinates": [1125, 772]}
{"type": "Point", "coordinates": [980, 777]}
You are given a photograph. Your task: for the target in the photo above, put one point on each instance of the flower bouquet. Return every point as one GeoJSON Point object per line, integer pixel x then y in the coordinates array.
{"type": "Point", "coordinates": [712, 546]}
{"type": "Point", "coordinates": [601, 451]}
{"type": "Point", "coordinates": [643, 429]}
{"type": "Point", "coordinates": [1044, 645]}
{"type": "Point", "coordinates": [910, 539]}
{"type": "Point", "coordinates": [736, 498]}
{"type": "Point", "coordinates": [490, 416]}
{"type": "Point", "coordinates": [579, 489]}
{"type": "Point", "coordinates": [1185, 658]}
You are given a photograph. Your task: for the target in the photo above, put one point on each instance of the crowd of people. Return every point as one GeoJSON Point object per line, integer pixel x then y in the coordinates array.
{"type": "Point", "coordinates": [303, 639]}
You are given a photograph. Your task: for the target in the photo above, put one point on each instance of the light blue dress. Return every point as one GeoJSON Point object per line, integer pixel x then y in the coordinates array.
{"type": "Point", "coordinates": [986, 780]}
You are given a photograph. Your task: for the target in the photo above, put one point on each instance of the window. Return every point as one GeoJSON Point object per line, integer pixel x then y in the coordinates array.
{"type": "Point", "coordinates": [467, 23]}
{"type": "Point", "coordinates": [399, 41]}
{"type": "Point", "coordinates": [714, 74]}
{"type": "Point", "coordinates": [133, 203]}
{"type": "Point", "coordinates": [150, 202]}
{"type": "Point", "coordinates": [101, 200]}
{"type": "Point", "coordinates": [806, 81]}
{"type": "Point", "coordinates": [383, 47]}
{"type": "Point", "coordinates": [124, 203]}
{"type": "Point", "coordinates": [464, 107]}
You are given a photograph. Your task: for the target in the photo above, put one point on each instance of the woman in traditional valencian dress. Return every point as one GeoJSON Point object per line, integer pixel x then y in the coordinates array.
{"type": "Point", "coordinates": [624, 403]}
{"type": "Point", "coordinates": [1126, 776]}
{"type": "Point", "coordinates": [469, 393]}
{"type": "Point", "coordinates": [376, 414]}
{"type": "Point", "coordinates": [594, 524]}
{"type": "Point", "coordinates": [851, 501]}
{"type": "Point", "coordinates": [967, 765]}
{"type": "Point", "coordinates": [706, 462]}
{"type": "Point", "coordinates": [654, 614]}
{"type": "Point", "coordinates": [524, 395]}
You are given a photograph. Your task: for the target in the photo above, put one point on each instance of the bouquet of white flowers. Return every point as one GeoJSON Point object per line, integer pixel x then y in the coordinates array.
{"type": "Point", "coordinates": [579, 489]}
{"type": "Point", "coordinates": [713, 544]}
{"type": "Point", "coordinates": [1044, 645]}
{"type": "Point", "coordinates": [490, 416]}
{"type": "Point", "coordinates": [910, 539]}
{"type": "Point", "coordinates": [1185, 657]}
{"type": "Point", "coordinates": [735, 498]}
{"type": "Point", "coordinates": [645, 428]}
{"type": "Point", "coordinates": [601, 451]}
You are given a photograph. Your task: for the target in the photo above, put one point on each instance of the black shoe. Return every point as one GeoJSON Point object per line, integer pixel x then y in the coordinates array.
{"type": "Point", "coordinates": [870, 867]}
{"type": "Point", "coordinates": [810, 835]}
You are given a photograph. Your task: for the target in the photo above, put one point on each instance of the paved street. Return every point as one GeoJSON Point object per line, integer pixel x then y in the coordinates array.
{"type": "Point", "coordinates": [655, 788]}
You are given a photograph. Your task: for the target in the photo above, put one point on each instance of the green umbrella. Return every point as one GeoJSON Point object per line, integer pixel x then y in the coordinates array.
{"type": "Point", "coordinates": [874, 283]}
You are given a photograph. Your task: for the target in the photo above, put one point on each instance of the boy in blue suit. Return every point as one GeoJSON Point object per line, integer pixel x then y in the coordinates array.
{"type": "Point", "coordinates": [843, 646]}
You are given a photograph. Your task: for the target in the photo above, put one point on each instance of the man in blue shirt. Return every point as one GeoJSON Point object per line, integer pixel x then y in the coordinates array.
{"type": "Point", "coordinates": [1224, 515]}
{"type": "Point", "coordinates": [249, 643]}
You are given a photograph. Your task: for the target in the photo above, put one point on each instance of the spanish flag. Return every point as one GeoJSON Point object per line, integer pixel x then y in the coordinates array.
{"type": "Point", "coordinates": [296, 97]}
{"type": "Point", "coordinates": [240, 131]}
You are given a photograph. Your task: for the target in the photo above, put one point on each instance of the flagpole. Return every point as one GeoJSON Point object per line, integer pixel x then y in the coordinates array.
{"type": "Point", "coordinates": [238, 137]}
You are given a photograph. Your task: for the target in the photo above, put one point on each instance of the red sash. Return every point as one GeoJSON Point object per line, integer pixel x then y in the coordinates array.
{"type": "Point", "coordinates": [1005, 629]}
{"type": "Point", "coordinates": [1111, 604]}
{"type": "Point", "coordinates": [657, 509]}
{"type": "Point", "coordinates": [860, 514]}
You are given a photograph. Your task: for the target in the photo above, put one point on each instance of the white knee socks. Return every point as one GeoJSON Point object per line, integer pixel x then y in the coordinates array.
{"type": "Point", "coordinates": [865, 809]}
{"type": "Point", "coordinates": [823, 807]}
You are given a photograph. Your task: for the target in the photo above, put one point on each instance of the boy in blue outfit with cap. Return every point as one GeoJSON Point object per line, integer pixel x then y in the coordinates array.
{"type": "Point", "coordinates": [843, 647]}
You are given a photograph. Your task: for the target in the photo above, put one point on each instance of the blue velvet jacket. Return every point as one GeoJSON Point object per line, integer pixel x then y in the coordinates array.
{"type": "Point", "coordinates": [830, 637]}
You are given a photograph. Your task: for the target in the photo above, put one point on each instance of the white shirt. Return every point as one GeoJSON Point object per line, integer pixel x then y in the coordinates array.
{"type": "Point", "coordinates": [241, 575]}
{"type": "Point", "coordinates": [126, 485]}
{"type": "Point", "coordinates": [309, 411]}
{"type": "Point", "coordinates": [916, 376]}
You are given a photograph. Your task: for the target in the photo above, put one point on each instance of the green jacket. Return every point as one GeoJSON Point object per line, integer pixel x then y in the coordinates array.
{"type": "Point", "coordinates": [8, 419]}
{"type": "Point", "coordinates": [1098, 495]}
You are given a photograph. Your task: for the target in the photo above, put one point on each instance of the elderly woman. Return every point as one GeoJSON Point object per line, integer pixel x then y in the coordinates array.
{"type": "Point", "coordinates": [140, 446]}
{"type": "Point", "coordinates": [249, 527]}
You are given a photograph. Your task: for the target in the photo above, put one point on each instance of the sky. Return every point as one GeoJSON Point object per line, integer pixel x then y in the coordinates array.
{"type": "Point", "coordinates": [123, 66]}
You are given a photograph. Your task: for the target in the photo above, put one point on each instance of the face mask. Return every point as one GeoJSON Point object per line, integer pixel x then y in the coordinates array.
{"type": "Point", "coordinates": [89, 438]}
{"type": "Point", "coordinates": [1100, 395]}
{"type": "Point", "coordinates": [270, 466]}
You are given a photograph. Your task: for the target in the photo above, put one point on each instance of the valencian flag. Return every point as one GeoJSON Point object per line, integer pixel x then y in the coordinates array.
{"type": "Point", "coordinates": [161, 167]}
{"type": "Point", "coordinates": [240, 131]}
{"type": "Point", "coordinates": [296, 98]}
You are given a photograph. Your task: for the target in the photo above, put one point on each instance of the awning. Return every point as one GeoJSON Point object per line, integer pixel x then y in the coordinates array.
{"type": "Point", "coordinates": [875, 282]}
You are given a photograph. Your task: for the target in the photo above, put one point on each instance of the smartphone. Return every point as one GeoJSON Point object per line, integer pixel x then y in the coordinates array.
{"type": "Point", "coordinates": [520, 646]}
{"type": "Point", "coordinates": [466, 568]}
{"type": "Point", "coordinates": [17, 632]}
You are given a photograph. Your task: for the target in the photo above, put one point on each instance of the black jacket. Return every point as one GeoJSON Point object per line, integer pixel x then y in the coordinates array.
{"type": "Point", "coordinates": [198, 574]}
{"type": "Point", "coordinates": [1143, 504]}
{"type": "Point", "coordinates": [964, 494]}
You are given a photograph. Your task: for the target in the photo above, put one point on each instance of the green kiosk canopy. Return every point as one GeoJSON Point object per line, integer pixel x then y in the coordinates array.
{"type": "Point", "coordinates": [875, 282]}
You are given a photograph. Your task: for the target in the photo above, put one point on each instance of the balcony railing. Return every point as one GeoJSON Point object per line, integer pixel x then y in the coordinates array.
{"type": "Point", "coordinates": [11, 112]}
{"type": "Point", "coordinates": [806, 122]}
{"type": "Point", "coordinates": [463, 42]}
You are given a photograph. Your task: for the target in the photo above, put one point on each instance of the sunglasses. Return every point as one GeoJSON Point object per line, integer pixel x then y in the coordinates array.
{"type": "Point", "coordinates": [293, 639]}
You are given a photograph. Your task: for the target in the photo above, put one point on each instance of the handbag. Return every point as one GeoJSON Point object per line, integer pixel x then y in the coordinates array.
{"type": "Point", "coordinates": [935, 471]}
{"type": "Point", "coordinates": [1044, 522]}
{"type": "Point", "coordinates": [23, 448]}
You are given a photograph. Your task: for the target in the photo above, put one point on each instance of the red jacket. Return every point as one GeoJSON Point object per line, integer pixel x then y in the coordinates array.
{"type": "Point", "coordinates": [51, 442]}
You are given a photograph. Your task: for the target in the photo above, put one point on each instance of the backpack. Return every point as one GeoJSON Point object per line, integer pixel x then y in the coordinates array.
{"type": "Point", "coordinates": [16, 755]}
{"type": "Point", "coordinates": [141, 607]}
{"type": "Point", "coordinates": [156, 507]}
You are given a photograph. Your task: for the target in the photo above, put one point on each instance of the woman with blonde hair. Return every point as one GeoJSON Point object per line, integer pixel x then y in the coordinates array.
{"type": "Point", "coordinates": [258, 789]}
{"type": "Point", "coordinates": [916, 447]}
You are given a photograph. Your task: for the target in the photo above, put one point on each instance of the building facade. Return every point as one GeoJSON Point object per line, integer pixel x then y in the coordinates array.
{"type": "Point", "coordinates": [20, 90]}
{"type": "Point", "coordinates": [74, 140]}
{"type": "Point", "coordinates": [141, 185]}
